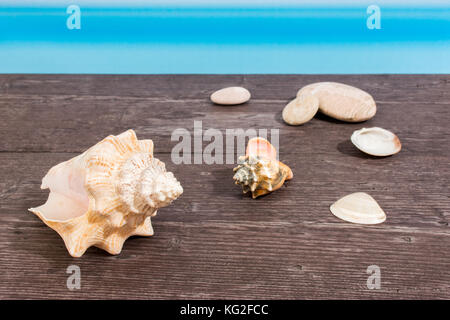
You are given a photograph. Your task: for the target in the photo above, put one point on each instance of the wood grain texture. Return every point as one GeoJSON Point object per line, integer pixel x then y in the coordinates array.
{"type": "Point", "coordinates": [214, 242]}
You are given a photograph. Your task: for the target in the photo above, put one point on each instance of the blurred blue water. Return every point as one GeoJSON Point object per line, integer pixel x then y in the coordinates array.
{"type": "Point", "coordinates": [200, 39]}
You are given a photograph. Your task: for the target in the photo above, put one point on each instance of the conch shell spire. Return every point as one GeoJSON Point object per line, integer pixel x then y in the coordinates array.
{"type": "Point", "coordinates": [259, 171]}
{"type": "Point", "coordinates": [107, 194]}
{"type": "Point", "coordinates": [144, 184]}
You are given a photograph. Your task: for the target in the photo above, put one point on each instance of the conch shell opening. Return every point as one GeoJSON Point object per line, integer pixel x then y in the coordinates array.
{"type": "Point", "coordinates": [107, 194]}
{"type": "Point", "coordinates": [259, 171]}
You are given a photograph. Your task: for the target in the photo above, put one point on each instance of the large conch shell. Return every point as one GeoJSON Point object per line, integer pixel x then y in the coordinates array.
{"type": "Point", "coordinates": [259, 171]}
{"type": "Point", "coordinates": [107, 194]}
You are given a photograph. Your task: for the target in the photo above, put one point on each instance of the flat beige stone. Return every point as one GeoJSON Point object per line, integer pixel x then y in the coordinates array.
{"type": "Point", "coordinates": [341, 101]}
{"type": "Point", "coordinates": [230, 96]}
{"type": "Point", "coordinates": [300, 110]}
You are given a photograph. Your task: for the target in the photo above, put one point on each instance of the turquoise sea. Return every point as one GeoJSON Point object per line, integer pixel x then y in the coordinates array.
{"type": "Point", "coordinates": [204, 38]}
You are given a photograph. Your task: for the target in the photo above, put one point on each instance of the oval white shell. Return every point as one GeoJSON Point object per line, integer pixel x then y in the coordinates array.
{"type": "Point", "coordinates": [376, 141]}
{"type": "Point", "coordinates": [107, 194]}
{"type": "Point", "coordinates": [358, 208]}
{"type": "Point", "coordinates": [231, 96]}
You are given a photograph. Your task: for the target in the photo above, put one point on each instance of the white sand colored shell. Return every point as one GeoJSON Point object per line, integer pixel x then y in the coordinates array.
{"type": "Point", "coordinates": [358, 208]}
{"type": "Point", "coordinates": [376, 141]}
{"type": "Point", "coordinates": [341, 101]}
{"type": "Point", "coordinates": [300, 110]}
{"type": "Point", "coordinates": [231, 96]}
{"type": "Point", "coordinates": [107, 194]}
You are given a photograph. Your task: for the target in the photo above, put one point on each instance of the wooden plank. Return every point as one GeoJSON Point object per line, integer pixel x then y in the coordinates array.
{"type": "Point", "coordinates": [424, 88]}
{"type": "Point", "coordinates": [73, 124]}
{"type": "Point", "coordinates": [214, 242]}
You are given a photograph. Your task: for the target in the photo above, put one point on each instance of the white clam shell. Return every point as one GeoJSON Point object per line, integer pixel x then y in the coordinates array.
{"type": "Point", "coordinates": [341, 101]}
{"type": "Point", "coordinates": [376, 141]}
{"type": "Point", "coordinates": [107, 194]}
{"type": "Point", "coordinates": [359, 208]}
{"type": "Point", "coordinates": [300, 110]}
{"type": "Point", "coordinates": [231, 96]}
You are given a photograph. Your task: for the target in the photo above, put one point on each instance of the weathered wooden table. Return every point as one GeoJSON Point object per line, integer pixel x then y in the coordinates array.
{"type": "Point", "coordinates": [214, 242]}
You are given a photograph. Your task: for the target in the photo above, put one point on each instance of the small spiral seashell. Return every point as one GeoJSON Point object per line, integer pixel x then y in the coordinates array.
{"type": "Point", "coordinates": [259, 172]}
